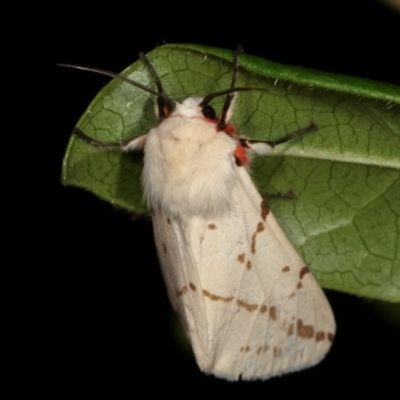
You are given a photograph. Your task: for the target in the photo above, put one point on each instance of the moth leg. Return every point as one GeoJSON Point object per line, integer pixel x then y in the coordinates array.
{"type": "Point", "coordinates": [310, 128]}
{"type": "Point", "coordinates": [130, 144]}
{"type": "Point", "coordinates": [94, 142]}
{"type": "Point", "coordinates": [262, 147]}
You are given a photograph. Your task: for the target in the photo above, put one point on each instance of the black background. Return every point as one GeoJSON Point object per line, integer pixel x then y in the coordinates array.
{"type": "Point", "coordinates": [114, 323]}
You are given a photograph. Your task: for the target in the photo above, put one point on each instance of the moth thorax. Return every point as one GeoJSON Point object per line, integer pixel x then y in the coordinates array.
{"type": "Point", "coordinates": [189, 167]}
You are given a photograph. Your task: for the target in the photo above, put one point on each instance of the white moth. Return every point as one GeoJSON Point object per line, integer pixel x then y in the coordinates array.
{"type": "Point", "coordinates": [248, 303]}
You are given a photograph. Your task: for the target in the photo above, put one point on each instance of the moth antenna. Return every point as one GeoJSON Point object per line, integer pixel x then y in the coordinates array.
{"type": "Point", "coordinates": [152, 71]}
{"type": "Point", "coordinates": [211, 96]}
{"type": "Point", "coordinates": [162, 108]}
{"type": "Point", "coordinates": [122, 78]}
{"type": "Point", "coordinates": [230, 96]}
{"type": "Point", "coordinates": [239, 50]}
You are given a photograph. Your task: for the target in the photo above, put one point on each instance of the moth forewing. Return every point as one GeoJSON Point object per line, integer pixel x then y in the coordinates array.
{"type": "Point", "coordinates": [248, 303]}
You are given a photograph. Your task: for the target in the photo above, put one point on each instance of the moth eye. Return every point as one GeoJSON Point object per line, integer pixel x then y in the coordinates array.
{"type": "Point", "coordinates": [208, 112]}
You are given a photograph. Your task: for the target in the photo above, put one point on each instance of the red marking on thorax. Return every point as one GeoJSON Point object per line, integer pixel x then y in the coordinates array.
{"type": "Point", "coordinates": [229, 129]}
{"type": "Point", "coordinates": [240, 152]}
{"type": "Point", "coordinates": [240, 155]}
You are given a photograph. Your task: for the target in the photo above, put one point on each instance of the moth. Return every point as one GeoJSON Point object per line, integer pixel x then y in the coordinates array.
{"type": "Point", "coordinates": [247, 301]}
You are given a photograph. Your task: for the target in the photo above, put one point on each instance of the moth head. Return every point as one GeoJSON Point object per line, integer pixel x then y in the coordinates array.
{"type": "Point", "coordinates": [199, 107]}
{"type": "Point", "coordinates": [192, 108]}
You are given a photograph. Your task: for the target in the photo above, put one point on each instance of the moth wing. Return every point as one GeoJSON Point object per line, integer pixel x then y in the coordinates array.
{"type": "Point", "coordinates": [182, 278]}
{"type": "Point", "coordinates": [246, 299]}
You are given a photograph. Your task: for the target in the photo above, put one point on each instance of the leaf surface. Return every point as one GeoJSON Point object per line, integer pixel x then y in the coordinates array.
{"type": "Point", "coordinates": [345, 219]}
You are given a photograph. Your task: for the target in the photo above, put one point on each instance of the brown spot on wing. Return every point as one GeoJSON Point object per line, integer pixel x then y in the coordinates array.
{"type": "Point", "coordinates": [264, 210]}
{"type": "Point", "coordinates": [248, 264]}
{"type": "Point", "coordinates": [215, 297]}
{"type": "Point", "coordinates": [245, 349]}
{"type": "Point", "coordinates": [211, 227]}
{"type": "Point", "coordinates": [192, 286]}
{"type": "Point", "coordinates": [331, 336]}
{"type": "Point", "coordinates": [262, 349]}
{"type": "Point", "coordinates": [263, 309]}
{"type": "Point", "coordinates": [241, 257]}
{"type": "Point", "coordinates": [303, 272]}
{"type": "Point", "coordinates": [181, 292]}
{"type": "Point", "coordinates": [290, 330]}
{"type": "Point", "coordinates": [319, 336]}
{"type": "Point", "coordinates": [253, 243]}
{"type": "Point", "coordinates": [272, 313]}
{"type": "Point", "coordinates": [304, 331]}
{"type": "Point", "coordinates": [285, 269]}
{"type": "Point", "coordinates": [277, 351]}
{"type": "Point", "coordinates": [247, 306]}
{"type": "Point", "coordinates": [169, 221]}
{"type": "Point", "coordinates": [260, 228]}
{"type": "Point", "coordinates": [299, 285]}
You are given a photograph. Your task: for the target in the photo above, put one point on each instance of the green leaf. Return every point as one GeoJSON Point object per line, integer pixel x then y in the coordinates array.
{"type": "Point", "coordinates": [345, 220]}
